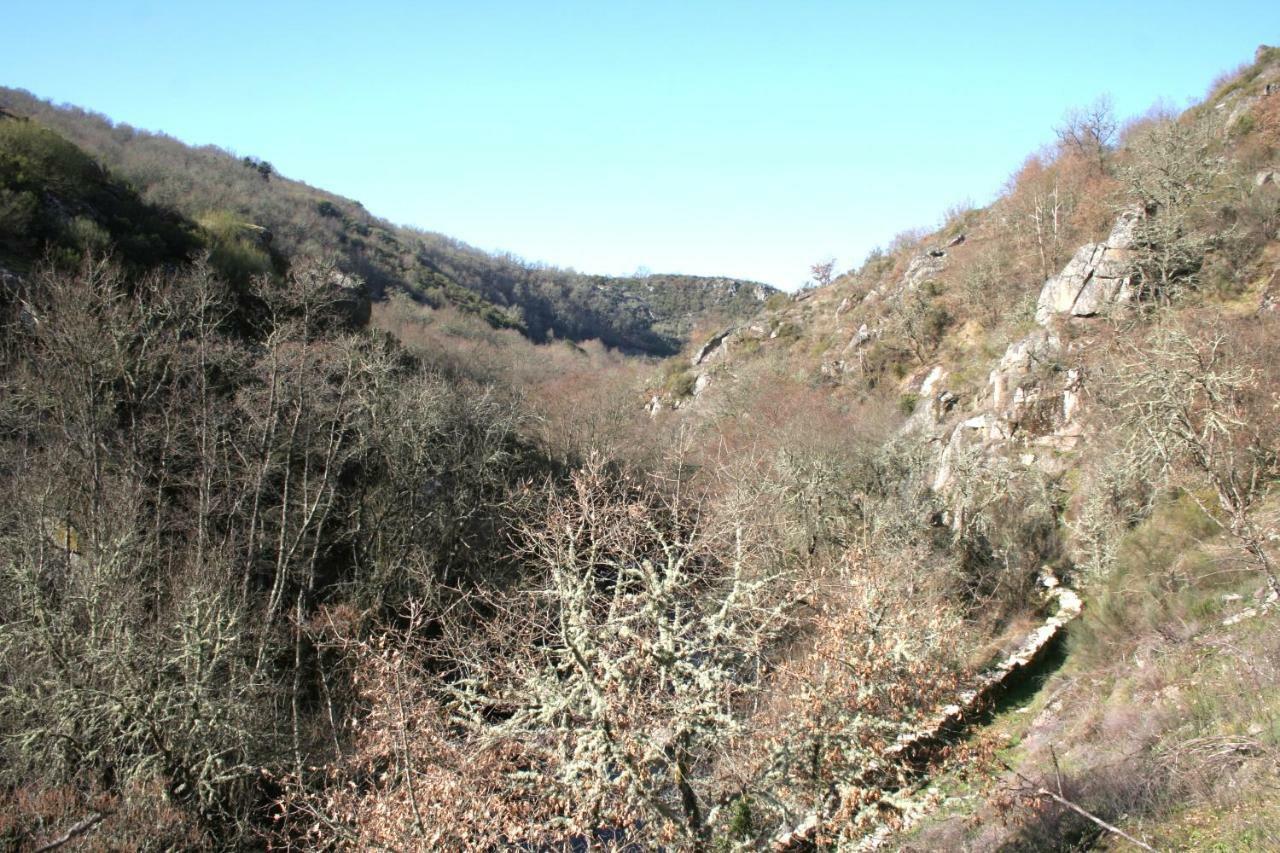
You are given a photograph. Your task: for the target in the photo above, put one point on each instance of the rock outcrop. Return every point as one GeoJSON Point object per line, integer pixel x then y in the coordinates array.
{"type": "Point", "coordinates": [1037, 350]}
{"type": "Point", "coordinates": [922, 268]}
{"type": "Point", "coordinates": [1097, 276]}
{"type": "Point", "coordinates": [1033, 402]}
{"type": "Point", "coordinates": [711, 347]}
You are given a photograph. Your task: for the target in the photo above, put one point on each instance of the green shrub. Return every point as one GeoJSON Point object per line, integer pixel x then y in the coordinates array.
{"type": "Point", "coordinates": [1243, 126]}
{"type": "Point", "coordinates": [1160, 568]}
{"type": "Point", "coordinates": [786, 331]}
{"type": "Point", "coordinates": [679, 382]}
{"type": "Point", "coordinates": [56, 199]}
{"type": "Point", "coordinates": [777, 301]}
{"type": "Point", "coordinates": [236, 247]}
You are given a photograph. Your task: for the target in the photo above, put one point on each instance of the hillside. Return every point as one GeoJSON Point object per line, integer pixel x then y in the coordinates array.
{"type": "Point", "coordinates": [233, 196]}
{"type": "Point", "coordinates": [974, 547]}
{"type": "Point", "coordinates": [1095, 399]}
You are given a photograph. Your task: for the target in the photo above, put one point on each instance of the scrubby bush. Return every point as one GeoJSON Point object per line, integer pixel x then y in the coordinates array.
{"type": "Point", "coordinates": [191, 489]}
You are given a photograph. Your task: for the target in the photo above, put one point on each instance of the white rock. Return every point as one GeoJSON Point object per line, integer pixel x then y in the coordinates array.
{"type": "Point", "coordinates": [1096, 277]}
{"type": "Point", "coordinates": [931, 381]}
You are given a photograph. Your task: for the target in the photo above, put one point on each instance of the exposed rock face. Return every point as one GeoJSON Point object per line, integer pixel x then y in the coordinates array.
{"type": "Point", "coordinates": [1020, 359]}
{"type": "Point", "coordinates": [859, 338]}
{"type": "Point", "coordinates": [967, 433]}
{"type": "Point", "coordinates": [1096, 277]}
{"type": "Point", "coordinates": [931, 381]}
{"type": "Point", "coordinates": [934, 404]}
{"type": "Point", "coordinates": [711, 347]}
{"type": "Point", "coordinates": [1032, 397]}
{"type": "Point", "coordinates": [922, 268]}
{"type": "Point", "coordinates": [1033, 403]}
{"type": "Point", "coordinates": [1270, 298]}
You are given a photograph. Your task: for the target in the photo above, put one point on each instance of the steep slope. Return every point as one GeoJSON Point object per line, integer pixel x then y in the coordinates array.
{"type": "Point", "coordinates": [54, 196]}
{"type": "Point", "coordinates": [652, 314]}
{"type": "Point", "coordinates": [1101, 341]}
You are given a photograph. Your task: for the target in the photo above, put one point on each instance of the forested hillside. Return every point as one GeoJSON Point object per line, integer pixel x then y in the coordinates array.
{"type": "Point", "coordinates": [973, 547]}
{"type": "Point", "coordinates": [244, 201]}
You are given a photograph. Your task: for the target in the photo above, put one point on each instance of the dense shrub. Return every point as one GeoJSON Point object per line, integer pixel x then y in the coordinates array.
{"type": "Point", "coordinates": [188, 492]}
{"type": "Point", "coordinates": [54, 197]}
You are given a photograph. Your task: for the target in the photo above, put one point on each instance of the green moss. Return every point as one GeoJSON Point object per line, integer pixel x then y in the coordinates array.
{"type": "Point", "coordinates": [742, 825]}
{"type": "Point", "coordinates": [786, 331]}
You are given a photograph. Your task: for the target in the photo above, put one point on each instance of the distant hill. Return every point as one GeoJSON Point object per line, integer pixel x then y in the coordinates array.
{"type": "Point", "coordinates": [261, 218]}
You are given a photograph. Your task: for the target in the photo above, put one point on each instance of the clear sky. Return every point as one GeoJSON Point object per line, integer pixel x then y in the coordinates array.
{"type": "Point", "coordinates": [737, 138]}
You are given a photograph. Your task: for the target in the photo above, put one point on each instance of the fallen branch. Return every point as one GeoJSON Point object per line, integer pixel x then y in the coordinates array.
{"type": "Point", "coordinates": [1041, 791]}
{"type": "Point", "coordinates": [76, 830]}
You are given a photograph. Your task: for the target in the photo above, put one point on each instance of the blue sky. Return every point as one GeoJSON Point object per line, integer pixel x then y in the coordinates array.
{"type": "Point", "coordinates": [737, 138]}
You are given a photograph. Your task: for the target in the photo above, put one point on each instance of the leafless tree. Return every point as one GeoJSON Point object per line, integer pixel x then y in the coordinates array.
{"type": "Point", "coordinates": [822, 271]}
{"type": "Point", "coordinates": [640, 644]}
{"type": "Point", "coordinates": [1090, 131]}
{"type": "Point", "coordinates": [1202, 416]}
{"type": "Point", "coordinates": [1175, 175]}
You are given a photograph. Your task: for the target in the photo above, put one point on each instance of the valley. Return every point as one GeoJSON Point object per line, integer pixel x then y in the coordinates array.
{"type": "Point", "coordinates": [320, 532]}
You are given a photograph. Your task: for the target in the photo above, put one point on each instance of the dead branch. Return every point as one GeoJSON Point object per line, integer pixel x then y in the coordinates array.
{"type": "Point", "coordinates": [76, 830]}
{"type": "Point", "coordinates": [1041, 791]}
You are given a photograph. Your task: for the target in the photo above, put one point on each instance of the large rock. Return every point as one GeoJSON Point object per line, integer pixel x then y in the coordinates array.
{"type": "Point", "coordinates": [711, 347]}
{"type": "Point", "coordinates": [859, 338]}
{"type": "Point", "coordinates": [1097, 276]}
{"type": "Point", "coordinates": [922, 268]}
{"type": "Point", "coordinates": [969, 432]}
{"type": "Point", "coordinates": [1020, 359]}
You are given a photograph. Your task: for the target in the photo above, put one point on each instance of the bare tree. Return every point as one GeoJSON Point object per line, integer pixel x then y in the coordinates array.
{"type": "Point", "coordinates": [1090, 131]}
{"type": "Point", "coordinates": [822, 272]}
{"type": "Point", "coordinates": [917, 319]}
{"type": "Point", "coordinates": [1201, 416]}
{"type": "Point", "coordinates": [635, 651]}
{"type": "Point", "coordinates": [1175, 176]}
